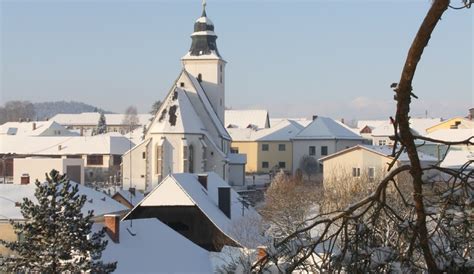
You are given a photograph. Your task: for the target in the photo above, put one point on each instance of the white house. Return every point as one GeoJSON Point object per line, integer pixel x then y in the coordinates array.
{"type": "Point", "coordinates": [30, 169]}
{"type": "Point", "coordinates": [323, 136]}
{"type": "Point", "coordinates": [188, 133]}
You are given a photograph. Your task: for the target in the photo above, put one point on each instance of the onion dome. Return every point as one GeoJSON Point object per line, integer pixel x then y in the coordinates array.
{"type": "Point", "coordinates": [203, 37]}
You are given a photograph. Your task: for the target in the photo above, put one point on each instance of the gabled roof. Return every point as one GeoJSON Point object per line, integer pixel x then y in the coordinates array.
{"type": "Point", "coordinates": [465, 123]}
{"type": "Point", "coordinates": [110, 143]}
{"type": "Point", "coordinates": [452, 135]}
{"type": "Point", "coordinates": [417, 125]}
{"type": "Point", "coordinates": [132, 198]}
{"type": "Point", "coordinates": [284, 130]}
{"type": "Point", "coordinates": [177, 115]}
{"type": "Point", "coordinates": [244, 118]}
{"type": "Point", "coordinates": [384, 151]}
{"type": "Point", "coordinates": [36, 128]}
{"type": "Point", "coordinates": [12, 193]}
{"type": "Point", "coordinates": [324, 128]}
{"type": "Point", "coordinates": [149, 246]}
{"type": "Point", "coordinates": [184, 189]}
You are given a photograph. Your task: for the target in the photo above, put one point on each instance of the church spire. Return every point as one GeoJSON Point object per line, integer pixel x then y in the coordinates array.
{"type": "Point", "coordinates": [204, 8]}
{"type": "Point", "coordinates": [203, 37]}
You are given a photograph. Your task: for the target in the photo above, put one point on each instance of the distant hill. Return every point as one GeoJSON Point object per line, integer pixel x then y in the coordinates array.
{"type": "Point", "coordinates": [47, 110]}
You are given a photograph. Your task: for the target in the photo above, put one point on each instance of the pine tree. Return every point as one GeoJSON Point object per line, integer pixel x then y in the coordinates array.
{"type": "Point", "coordinates": [102, 125]}
{"type": "Point", "coordinates": [56, 236]}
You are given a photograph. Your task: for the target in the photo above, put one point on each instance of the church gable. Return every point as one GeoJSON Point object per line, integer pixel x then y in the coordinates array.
{"type": "Point", "coordinates": [177, 115]}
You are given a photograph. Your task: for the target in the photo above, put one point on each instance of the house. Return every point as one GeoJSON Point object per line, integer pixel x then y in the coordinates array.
{"type": "Point", "coordinates": [381, 131]}
{"type": "Point", "coordinates": [101, 153]}
{"type": "Point", "coordinates": [37, 128]}
{"type": "Point", "coordinates": [453, 123]}
{"type": "Point", "coordinates": [267, 149]}
{"type": "Point", "coordinates": [86, 122]}
{"type": "Point", "coordinates": [11, 195]}
{"type": "Point", "coordinates": [323, 136]}
{"type": "Point", "coordinates": [459, 158]}
{"type": "Point", "coordinates": [439, 150]}
{"type": "Point", "coordinates": [188, 133]}
{"type": "Point", "coordinates": [247, 118]}
{"type": "Point", "coordinates": [30, 169]}
{"type": "Point", "coordinates": [202, 208]}
{"type": "Point", "coordinates": [364, 162]}
{"type": "Point", "coordinates": [149, 246]}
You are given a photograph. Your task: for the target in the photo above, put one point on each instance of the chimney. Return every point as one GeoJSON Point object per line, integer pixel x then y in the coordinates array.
{"type": "Point", "coordinates": [34, 125]}
{"type": "Point", "coordinates": [25, 179]}
{"type": "Point", "coordinates": [342, 120]}
{"type": "Point", "coordinates": [261, 253]}
{"type": "Point", "coordinates": [60, 147]}
{"type": "Point", "coordinates": [471, 114]}
{"type": "Point", "coordinates": [224, 200]}
{"type": "Point", "coordinates": [112, 226]}
{"type": "Point", "coordinates": [315, 117]}
{"type": "Point", "coordinates": [202, 178]}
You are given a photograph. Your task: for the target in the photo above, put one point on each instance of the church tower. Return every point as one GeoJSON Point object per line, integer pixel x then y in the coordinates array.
{"type": "Point", "coordinates": [204, 62]}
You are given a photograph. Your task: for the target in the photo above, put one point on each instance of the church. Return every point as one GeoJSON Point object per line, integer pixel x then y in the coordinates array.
{"type": "Point", "coordinates": [187, 135]}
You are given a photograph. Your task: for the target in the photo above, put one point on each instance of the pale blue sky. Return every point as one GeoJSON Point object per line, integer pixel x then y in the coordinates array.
{"type": "Point", "coordinates": [295, 58]}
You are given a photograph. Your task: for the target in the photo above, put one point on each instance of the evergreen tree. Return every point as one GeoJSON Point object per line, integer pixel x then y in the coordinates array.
{"type": "Point", "coordinates": [56, 236]}
{"type": "Point", "coordinates": [102, 125]}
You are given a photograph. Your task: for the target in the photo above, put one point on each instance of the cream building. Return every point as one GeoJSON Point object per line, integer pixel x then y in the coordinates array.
{"type": "Point", "coordinates": [453, 123]}
{"type": "Point", "coordinates": [188, 133]}
{"type": "Point", "coordinates": [364, 162]}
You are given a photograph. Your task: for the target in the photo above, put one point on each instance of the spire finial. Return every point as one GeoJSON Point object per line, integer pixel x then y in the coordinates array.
{"type": "Point", "coordinates": [203, 8]}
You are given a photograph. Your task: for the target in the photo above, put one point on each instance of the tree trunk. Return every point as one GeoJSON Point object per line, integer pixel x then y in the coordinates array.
{"type": "Point", "coordinates": [403, 98]}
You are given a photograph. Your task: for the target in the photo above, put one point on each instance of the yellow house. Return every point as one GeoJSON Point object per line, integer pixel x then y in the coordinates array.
{"type": "Point", "coordinates": [453, 123]}
{"type": "Point", "coordinates": [267, 149]}
{"type": "Point", "coordinates": [364, 163]}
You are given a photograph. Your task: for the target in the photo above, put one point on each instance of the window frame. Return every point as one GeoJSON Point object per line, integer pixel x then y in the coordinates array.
{"type": "Point", "coordinates": [312, 150]}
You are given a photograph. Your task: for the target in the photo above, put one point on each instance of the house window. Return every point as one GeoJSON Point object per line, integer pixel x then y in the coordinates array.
{"type": "Point", "coordinates": [281, 147]}
{"type": "Point", "coordinates": [324, 150]}
{"type": "Point", "coordinates": [264, 147]}
{"type": "Point", "coordinates": [95, 160]}
{"type": "Point", "coordinates": [355, 172]}
{"type": "Point", "coordinates": [312, 150]}
{"type": "Point", "coordinates": [264, 164]}
{"type": "Point", "coordinates": [371, 173]}
{"type": "Point", "coordinates": [382, 142]}
{"type": "Point", "coordinates": [234, 150]}
{"type": "Point", "coordinates": [282, 164]}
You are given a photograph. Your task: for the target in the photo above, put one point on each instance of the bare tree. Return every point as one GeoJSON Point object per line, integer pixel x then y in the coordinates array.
{"type": "Point", "coordinates": [15, 111]}
{"type": "Point", "coordinates": [309, 166]}
{"type": "Point", "coordinates": [402, 225]}
{"type": "Point", "coordinates": [131, 118]}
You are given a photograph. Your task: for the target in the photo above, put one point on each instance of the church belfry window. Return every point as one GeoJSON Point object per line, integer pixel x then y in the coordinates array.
{"type": "Point", "coordinates": [181, 84]}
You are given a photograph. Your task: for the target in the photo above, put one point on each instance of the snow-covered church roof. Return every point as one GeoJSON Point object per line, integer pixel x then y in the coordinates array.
{"type": "Point", "coordinates": [187, 110]}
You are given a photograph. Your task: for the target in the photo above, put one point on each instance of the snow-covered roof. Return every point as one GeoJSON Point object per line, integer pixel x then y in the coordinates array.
{"type": "Point", "coordinates": [149, 246]}
{"type": "Point", "coordinates": [132, 198]}
{"type": "Point", "coordinates": [326, 128]}
{"type": "Point", "coordinates": [92, 118]}
{"type": "Point", "coordinates": [13, 193]}
{"type": "Point", "coordinates": [419, 125]}
{"type": "Point", "coordinates": [385, 151]}
{"type": "Point", "coordinates": [456, 158]}
{"type": "Point", "coordinates": [177, 115]}
{"type": "Point", "coordinates": [110, 144]}
{"type": "Point", "coordinates": [301, 121]}
{"type": "Point", "coordinates": [464, 123]}
{"type": "Point", "coordinates": [184, 189]}
{"type": "Point", "coordinates": [237, 159]}
{"type": "Point", "coordinates": [283, 130]}
{"type": "Point", "coordinates": [212, 56]}
{"type": "Point", "coordinates": [34, 129]}
{"type": "Point", "coordinates": [245, 118]}
{"type": "Point", "coordinates": [370, 123]}
{"type": "Point", "coordinates": [452, 135]}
